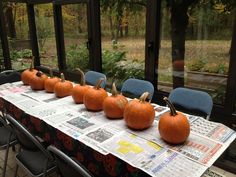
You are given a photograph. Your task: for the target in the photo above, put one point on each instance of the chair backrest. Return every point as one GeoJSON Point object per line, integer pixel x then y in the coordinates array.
{"type": "Point", "coordinates": [9, 76]}
{"type": "Point", "coordinates": [66, 165]}
{"type": "Point", "coordinates": [192, 101]}
{"type": "Point", "coordinates": [25, 138]}
{"type": "Point", "coordinates": [134, 88]}
{"type": "Point", "coordinates": [91, 78]}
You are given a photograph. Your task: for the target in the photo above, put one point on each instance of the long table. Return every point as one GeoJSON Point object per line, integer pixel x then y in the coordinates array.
{"type": "Point", "coordinates": [107, 147]}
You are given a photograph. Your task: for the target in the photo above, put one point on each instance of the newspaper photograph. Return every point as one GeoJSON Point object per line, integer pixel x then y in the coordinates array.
{"type": "Point", "coordinates": [98, 136]}
{"type": "Point", "coordinates": [79, 124]}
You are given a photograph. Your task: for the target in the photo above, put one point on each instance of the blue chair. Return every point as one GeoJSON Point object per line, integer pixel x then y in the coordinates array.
{"type": "Point", "coordinates": [192, 101]}
{"type": "Point", "coordinates": [33, 157]}
{"type": "Point", "coordinates": [68, 167]}
{"type": "Point", "coordinates": [134, 88]}
{"type": "Point", "coordinates": [91, 78]}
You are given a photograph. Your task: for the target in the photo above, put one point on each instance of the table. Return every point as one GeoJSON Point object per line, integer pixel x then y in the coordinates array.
{"type": "Point", "coordinates": [54, 120]}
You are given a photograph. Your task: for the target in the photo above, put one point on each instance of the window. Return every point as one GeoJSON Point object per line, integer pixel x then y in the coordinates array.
{"type": "Point", "coordinates": [76, 36]}
{"type": "Point", "coordinates": [46, 35]}
{"type": "Point", "coordinates": [203, 63]}
{"type": "Point", "coordinates": [123, 40]}
{"type": "Point", "coordinates": [18, 35]}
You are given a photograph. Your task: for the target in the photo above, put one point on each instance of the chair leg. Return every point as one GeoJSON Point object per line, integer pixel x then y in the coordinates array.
{"type": "Point", "coordinates": [15, 175]}
{"type": "Point", "coordinates": [6, 156]}
{"type": "Point", "coordinates": [13, 148]}
{"type": "Point", "coordinates": [45, 169]}
{"type": "Point", "coordinates": [5, 162]}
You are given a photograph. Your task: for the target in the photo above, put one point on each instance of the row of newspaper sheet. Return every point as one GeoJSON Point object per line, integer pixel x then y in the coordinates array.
{"type": "Point", "coordinates": [142, 149]}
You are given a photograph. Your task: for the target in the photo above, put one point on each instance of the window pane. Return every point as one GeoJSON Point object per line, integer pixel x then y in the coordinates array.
{"type": "Point", "coordinates": [76, 36]}
{"type": "Point", "coordinates": [46, 35]}
{"type": "Point", "coordinates": [123, 40]}
{"type": "Point", "coordinates": [204, 64]}
{"type": "Point", "coordinates": [18, 35]}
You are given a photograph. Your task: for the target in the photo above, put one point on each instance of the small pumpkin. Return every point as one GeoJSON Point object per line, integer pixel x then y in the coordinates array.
{"type": "Point", "coordinates": [94, 97]}
{"type": "Point", "coordinates": [79, 90]}
{"type": "Point", "coordinates": [114, 105]}
{"type": "Point", "coordinates": [173, 126]}
{"type": "Point", "coordinates": [139, 114]}
{"type": "Point", "coordinates": [37, 81]}
{"type": "Point", "coordinates": [27, 74]}
{"type": "Point", "coordinates": [50, 83]}
{"type": "Point", "coordinates": [63, 88]}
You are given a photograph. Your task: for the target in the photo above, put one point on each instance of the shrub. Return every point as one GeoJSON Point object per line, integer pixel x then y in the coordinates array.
{"type": "Point", "coordinates": [77, 56]}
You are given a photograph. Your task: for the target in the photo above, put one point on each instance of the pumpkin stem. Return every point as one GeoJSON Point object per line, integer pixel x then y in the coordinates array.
{"type": "Point", "coordinates": [62, 77]}
{"type": "Point", "coordinates": [144, 96]}
{"type": "Point", "coordinates": [82, 80]}
{"type": "Point", "coordinates": [39, 74]}
{"type": "Point", "coordinates": [32, 64]}
{"type": "Point", "coordinates": [97, 85]}
{"type": "Point", "coordinates": [50, 73]}
{"type": "Point", "coordinates": [171, 106]}
{"type": "Point", "coordinates": [114, 90]}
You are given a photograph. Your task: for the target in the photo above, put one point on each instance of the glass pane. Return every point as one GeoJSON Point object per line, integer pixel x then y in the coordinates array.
{"type": "Point", "coordinates": [46, 35]}
{"type": "Point", "coordinates": [18, 35]}
{"type": "Point", "coordinates": [76, 36]}
{"type": "Point", "coordinates": [203, 65]}
{"type": "Point", "coordinates": [123, 40]}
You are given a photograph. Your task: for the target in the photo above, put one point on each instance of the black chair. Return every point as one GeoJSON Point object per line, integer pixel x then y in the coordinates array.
{"type": "Point", "coordinates": [67, 167]}
{"type": "Point", "coordinates": [32, 157]}
{"type": "Point", "coordinates": [7, 138]}
{"type": "Point", "coordinates": [9, 76]}
{"type": "Point", "coordinates": [192, 101]}
{"type": "Point", "coordinates": [91, 78]}
{"type": "Point", "coordinates": [134, 88]}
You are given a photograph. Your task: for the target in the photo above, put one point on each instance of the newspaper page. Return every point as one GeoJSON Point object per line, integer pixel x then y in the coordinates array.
{"type": "Point", "coordinates": [212, 130]}
{"type": "Point", "coordinates": [98, 136]}
{"type": "Point", "coordinates": [44, 110]}
{"type": "Point", "coordinates": [11, 88]}
{"type": "Point", "coordinates": [198, 148]}
{"type": "Point", "coordinates": [152, 158]}
{"type": "Point", "coordinates": [21, 101]}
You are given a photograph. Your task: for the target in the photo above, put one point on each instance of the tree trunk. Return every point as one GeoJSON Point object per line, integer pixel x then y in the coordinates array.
{"type": "Point", "coordinates": [179, 22]}
{"type": "Point", "coordinates": [111, 24]}
{"type": "Point", "coordinates": [10, 22]}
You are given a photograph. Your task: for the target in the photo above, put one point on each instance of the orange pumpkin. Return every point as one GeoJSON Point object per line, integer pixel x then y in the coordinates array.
{"type": "Point", "coordinates": [37, 81]}
{"type": "Point", "coordinates": [50, 83]}
{"type": "Point", "coordinates": [27, 74]}
{"type": "Point", "coordinates": [79, 90]}
{"type": "Point", "coordinates": [63, 88]}
{"type": "Point", "coordinates": [173, 126]}
{"type": "Point", "coordinates": [139, 114]}
{"type": "Point", "coordinates": [94, 97]}
{"type": "Point", "coordinates": [114, 105]}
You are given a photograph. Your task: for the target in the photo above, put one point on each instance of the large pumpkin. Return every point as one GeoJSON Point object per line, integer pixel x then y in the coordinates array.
{"type": "Point", "coordinates": [79, 90]}
{"type": "Point", "coordinates": [27, 74]}
{"type": "Point", "coordinates": [94, 97]}
{"type": "Point", "coordinates": [139, 114]}
{"type": "Point", "coordinates": [50, 83]}
{"type": "Point", "coordinates": [114, 105]}
{"type": "Point", "coordinates": [37, 81]}
{"type": "Point", "coordinates": [63, 88]}
{"type": "Point", "coordinates": [173, 126]}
